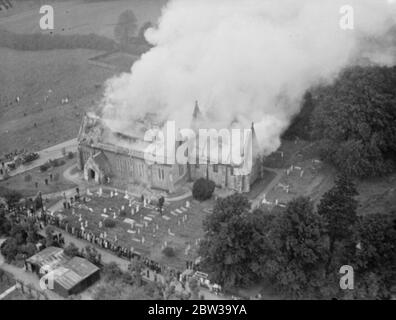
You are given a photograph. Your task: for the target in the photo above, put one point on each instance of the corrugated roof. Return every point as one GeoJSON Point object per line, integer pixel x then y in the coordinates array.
{"type": "Point", "coordinates": [74, 271]}
{"type": "Point", "coordinates": [50, 257]}
{"type": "Point", "coordinates": [67, 272]}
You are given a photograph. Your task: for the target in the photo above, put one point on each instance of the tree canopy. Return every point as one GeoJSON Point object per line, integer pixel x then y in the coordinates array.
{"type": "Point", "coordinates": [355, 120]}
{"type": "Point", "coordinates": [126, 27]}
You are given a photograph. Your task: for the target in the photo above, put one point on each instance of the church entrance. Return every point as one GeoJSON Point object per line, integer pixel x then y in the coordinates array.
{"type": "Point", "coordinates": [91, 174]}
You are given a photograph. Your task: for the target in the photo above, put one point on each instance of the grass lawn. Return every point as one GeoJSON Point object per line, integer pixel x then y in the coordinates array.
{"type": "Point", "coordinates": [181, 233]}
{"type": "Point", "coordinates": [27, 185]}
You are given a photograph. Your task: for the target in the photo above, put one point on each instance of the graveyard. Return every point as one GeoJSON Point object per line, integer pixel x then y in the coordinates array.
{"type": "Point", "coordinates": [137, 224]}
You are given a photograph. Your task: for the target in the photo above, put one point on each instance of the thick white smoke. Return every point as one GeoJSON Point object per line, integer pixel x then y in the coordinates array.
{"type": "Point", "coordinates": [244, 60]}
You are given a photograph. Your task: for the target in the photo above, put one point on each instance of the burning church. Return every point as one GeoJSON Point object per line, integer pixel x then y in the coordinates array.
{"type": "Point", "coordinates": [122, 158]}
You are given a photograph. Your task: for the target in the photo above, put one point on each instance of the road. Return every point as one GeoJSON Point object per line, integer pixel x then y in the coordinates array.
{"type": "Point", "coordinates": [50, 153]}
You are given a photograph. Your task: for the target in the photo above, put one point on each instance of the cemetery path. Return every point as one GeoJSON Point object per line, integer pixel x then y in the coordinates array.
{"type": "Point", "coordinates": [279, 173]}
{"type": "Point", "coordinates": [53, 152]}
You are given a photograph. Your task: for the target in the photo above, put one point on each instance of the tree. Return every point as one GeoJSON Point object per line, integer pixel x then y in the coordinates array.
{"type": "Point", "coordinates": [233, 242]}
{"type": "Point", "coordinates": [112, 272]}
{"type": "Point", "coordinates": [135, 268]}
{"type": "Point", "coordinates": [5, 225]}
{"type": "Point", "coordinates": [375, 257]}
{"type": "Point", "coordinates": [297, 250]}
{"type": "Point", "coordinates": [91, 254]}
{"type": "Point", "coordinates": [72, 250]}
{"type": "Point", "coordinates": [338, 208]}
{"type": "Point", "coordinates": [354, 119]}
{"type": "Point", "coordinates": [12, 198]}
{"type": "Point", "coordinates": [9, 249]}
{"type": "Point", "coordinates": [126, 27]}
{"type": "Point", "coordinates": [203, 189]}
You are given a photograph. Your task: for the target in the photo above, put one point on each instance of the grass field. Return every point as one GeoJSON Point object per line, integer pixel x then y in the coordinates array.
{"type": "Point", "coordinates": [34, 124]}
{"type": "Point", "coordinates": [82, 17]}
{"type": "Point", "coordinates": [28, 188]}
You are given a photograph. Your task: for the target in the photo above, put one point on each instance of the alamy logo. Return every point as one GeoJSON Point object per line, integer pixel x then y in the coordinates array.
{"type": "Point", "coordinates": [347, 20]}
{"type": "Point", "coordinates": [47, 20]}
{"type": "Point", "coordinates": [207, 146]}
{"type": "Point", "coordinates": [347, 280]}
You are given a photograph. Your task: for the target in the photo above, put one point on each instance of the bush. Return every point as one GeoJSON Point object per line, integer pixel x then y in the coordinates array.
{"type": "Point", "coordinates": [109, 223]}
{"type": "Point", "coordinates": [27, 178]}
{"type": "Point", "coordinates": [44, 167]}
{"type": "Point", "coordinates": [57, 162]}
{"type": "Point", "coordinates": [123, 213]}
{"type": "Point", "coordinates": [169, 252]}
{"type": "Point", "coordinates": [203, 189]}
{"type": "Point", "coordinates": [70, 155]}
{"type": "Point", "coordinates": [71, 250]}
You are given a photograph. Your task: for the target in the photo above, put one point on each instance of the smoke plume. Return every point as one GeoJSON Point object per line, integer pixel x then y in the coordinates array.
{"type": "Point", "coordinates": [243, 61]}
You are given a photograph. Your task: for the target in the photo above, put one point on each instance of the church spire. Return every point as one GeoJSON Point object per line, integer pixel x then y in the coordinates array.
{"type": "Point", "coordinates": [255, 144]}
{"type": "Point", "coordinates": [196, 112]}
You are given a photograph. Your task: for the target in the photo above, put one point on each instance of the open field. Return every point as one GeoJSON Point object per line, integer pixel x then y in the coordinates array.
{"type": "Point", "coordinates": [25, 182]}
{"type": "Point", "coordinates": [82, 17]}
{"type": "Point", "coordinates": [41, 79]}
{"type": "Point", "coordinates": [147, 230]}
{"type": "Point", "coordinates": [33, 123]}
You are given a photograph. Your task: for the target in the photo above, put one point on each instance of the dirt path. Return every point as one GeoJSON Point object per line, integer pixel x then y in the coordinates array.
{"type": "Point", "coordinates": [26, 277]}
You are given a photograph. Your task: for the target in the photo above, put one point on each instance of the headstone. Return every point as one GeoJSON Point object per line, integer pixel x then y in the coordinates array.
{"type": "Point", "coordinates": [187, 204]}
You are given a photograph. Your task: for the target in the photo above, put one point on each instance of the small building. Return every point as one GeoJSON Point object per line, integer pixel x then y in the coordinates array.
{"type": "Point", "coordinates": [75, 276]}
{"type": "Point", "coordinates": [46, 260]}
{"type": "Point", "coordinates": [70, 275]}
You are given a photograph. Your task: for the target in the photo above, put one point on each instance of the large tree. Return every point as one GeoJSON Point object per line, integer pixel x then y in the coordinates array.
{"type": "Point", "coordinates": [298, 250]}
{"type": "Point", "coordinates": [338, 208]}
{"type": "Point", "coordinates": [126, 27]}
{"type": "Point", "coordinates": [233, 242]}
{"type": "Point", "coordinates": [355, 118]}
{"type": "Point", "coordinates": [375, 257]}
